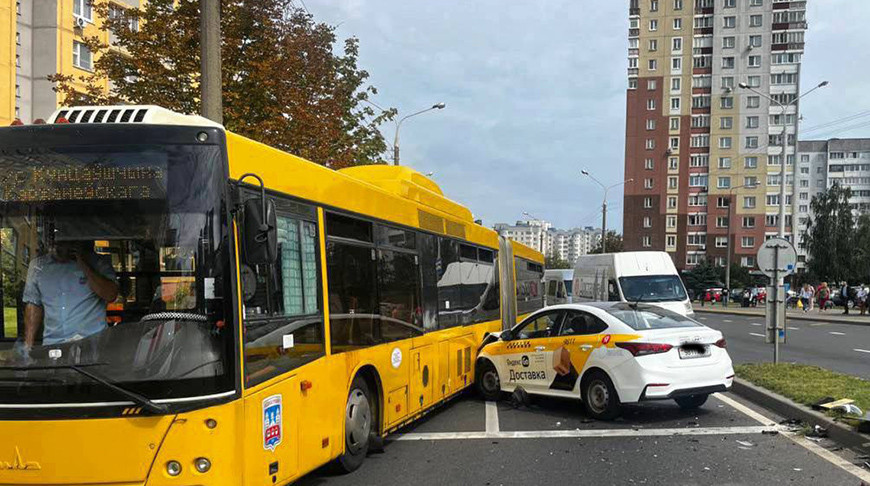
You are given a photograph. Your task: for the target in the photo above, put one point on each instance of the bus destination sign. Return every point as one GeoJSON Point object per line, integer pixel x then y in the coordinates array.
{"type": "Point", "coordinates": [82, 183]}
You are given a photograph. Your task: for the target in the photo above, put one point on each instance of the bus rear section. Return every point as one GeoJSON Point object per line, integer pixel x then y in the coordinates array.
{"type": "Point", "coordinates": [645, 276]}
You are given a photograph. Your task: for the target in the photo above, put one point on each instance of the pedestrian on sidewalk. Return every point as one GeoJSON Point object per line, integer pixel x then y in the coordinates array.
{"type": "Point", "coordinates": [812, 295]}
{"type": "Point", "coordinates": [805, 297]}
{"type": "Point", "coordinates": [844, 295]}
{"type": "Point", "coordinates": [862, 299]}
{"type": "Point", "coordinates": [824, 295]}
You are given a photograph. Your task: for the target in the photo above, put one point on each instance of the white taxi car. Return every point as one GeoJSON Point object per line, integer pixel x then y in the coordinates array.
{"type": "Point", "coordinates": [607, 354]}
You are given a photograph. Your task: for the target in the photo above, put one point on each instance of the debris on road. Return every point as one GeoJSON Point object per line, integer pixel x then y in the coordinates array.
{"type": "Point", "coordinates": [745, 445]}
{"type": "Point", "coordinates": [817, 432]}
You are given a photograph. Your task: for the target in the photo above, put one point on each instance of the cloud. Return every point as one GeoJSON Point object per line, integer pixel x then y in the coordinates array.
{"type": "Point", "coordinates": [535, 91]}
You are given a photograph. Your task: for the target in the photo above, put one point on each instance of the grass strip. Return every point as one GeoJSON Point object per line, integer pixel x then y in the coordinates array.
{"type": "Point", "coordinates": [806, 384]}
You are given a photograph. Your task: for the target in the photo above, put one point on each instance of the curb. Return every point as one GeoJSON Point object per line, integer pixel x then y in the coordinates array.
{"type": "Point", "coordinates": [832, 320]}
{"type": "Point", "coordinates": [842, 434]}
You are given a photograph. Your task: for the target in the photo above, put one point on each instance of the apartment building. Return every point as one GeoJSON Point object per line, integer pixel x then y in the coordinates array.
{"type": "Point", "coordinates": [705, 153]}
{"type": "Point", "coordinates": [823, 163]}
{"type": "Point", "coordinates": [568, 245]}
{"type": "Point", "coordinates": [39, 38]}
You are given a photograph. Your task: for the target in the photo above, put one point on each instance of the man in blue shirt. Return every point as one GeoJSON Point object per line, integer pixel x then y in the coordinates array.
{"type": "Point", "coordinates": [66, 294]}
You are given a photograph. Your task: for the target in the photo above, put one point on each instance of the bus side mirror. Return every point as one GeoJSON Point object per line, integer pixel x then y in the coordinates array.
{"type": "Point", "coordinates": [260, 237]}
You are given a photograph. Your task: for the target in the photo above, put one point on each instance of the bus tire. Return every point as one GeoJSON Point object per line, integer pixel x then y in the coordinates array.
{"type": "Point", "coordinates": [488, 384]}
{"type": "Point", "coordinates": [359, 418]}
{"type": "Point", "coordinates": [599, 396]}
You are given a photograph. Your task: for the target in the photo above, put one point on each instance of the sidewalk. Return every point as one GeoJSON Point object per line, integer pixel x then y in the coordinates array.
{"type": "Point", "coordinates": [833, 315]}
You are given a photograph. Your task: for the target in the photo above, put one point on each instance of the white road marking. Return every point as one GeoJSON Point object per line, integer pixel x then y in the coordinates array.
{"type": "Point", "coordinates": [756, 334]}
{"type": "Point", "coordinates": [491, 418]}
{"type": "Point", "coordinates": [703, 318]}
{"type": "Point", "coordinates": [835, 333]}
{"type": "Point", "coordinates": [800, 440]}
{"type": "Point", "coordinates": [587, 433]}
{"type": "Point", "coordinates": [793, 328]}
{"type": "Point", "coordinates": [757, 324]}
{"type": "Point", "coordinates": [861, 350]}
{"type": "Point", "coordinates": [727, 320]}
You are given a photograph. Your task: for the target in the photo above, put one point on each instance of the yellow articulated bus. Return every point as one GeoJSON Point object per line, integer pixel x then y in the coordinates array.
{"type": "Point", "coordinates": [184, 306]}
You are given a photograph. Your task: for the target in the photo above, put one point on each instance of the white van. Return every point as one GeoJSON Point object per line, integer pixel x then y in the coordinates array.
{"type": "Point", "coordinates": [558, 284]}
{"type": "Point", "coordinates": [639, 276]}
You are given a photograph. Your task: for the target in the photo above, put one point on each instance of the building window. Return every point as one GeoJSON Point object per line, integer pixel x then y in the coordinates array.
{"type": "Point", "coordinates": [755, 40]}
{"type": "Point", "coordinates": [728, 62]}
{"type": "Point", "coordinates": [651, 104]}
{"type": "Point", "coordinates": [755, 20]}
{"type": "Point", "coordinates": [678, 23]}
{"type": "Point", "coordinates": [723, 182]}
{"type": "Point", "coordinates": [646, 241]}
{"type": "Point", "coordinates": [722, 202]}
{"type": "Point", "coordinates": [696, 240]}
{"type": "Point", "coordinates": [727, 82]}
{"type": "Point", "coordinates": [749, 221]}
{"type": "Point", "coordinates": [751, 122]}
{"type": "Point", "coordinates": [677, 44]}
{"type": "Point", "coordinates": [83, 9]}
{"type": "Point", "coordinates": [650, 143]}
{"type": "Point", "coordinates": [722, 222]}
{"type": "Point", "coordinates": [673, 163]}
{"type": "Point", "coordinates": [648, 164]}
{"type": "Point", "coordinates": [672, 202]}
{"type": "Point", "coordinates": [697, 200]}
{"type": "Point", "coordinates": [699, 160]}
{"type": "Point", "coordinates": [721, 242]}
{"type": "Point", "coordinates": [676, 64]}
{"type": "Point", "coordinates": [647, 222]}
{"type": "Point", "coordinates": [724, 142]}
{"type": "Point", "coordinates": [729, 3]}
{"type": "Point", "coordinates": [749, 202]}
{"type": "Point", "coordinates": [752, 142]}
{"type": "Point", "coordinates": [697, 180]}
{"type": "Point", "coordinates": [724, 162]}
{"type": "Point", "coordinates": [750, 182]}
{"type": "Point", "coordinates": [647, 183]}
{"type": "Point", "coordinates": [729, 22]}
{"type": "Point", "coordinates": [675, 143]}
{"type": "Point", "coordinates": [653, 25]}
{"type": "Point", "coordinates": [675, 103]}
{"type": "Point", "coordinates": [672, 241]}
{"type": "Point", "coordinates": [728, 42]}
{"type": "Point", "coordinates": [747, 261]}
{"type": "Point", "coordinates": [676, 84]}
{"type": "Point", "coordinates": [753, 101]}
{"type": "Point", "coordinates": [756, 3]}
{"type": "Point", "coordinates": [754, 81]}
{"type": "Point", "coordinates": [647, 202]}
{"type": "Point", "coordinates": [18, 38]}
{"type": "Point", "coordinates": [651, 85]}
{"type": "Point", "coordinates": [726, 102]}
{"type": "Point", "coordinates": [747, 242]}
{"type": "Point", "coordinates": [651, 124]}
{"type": "Point", "coordinates": [653, 45]}
{"type": "Point", "coordinates": [697, 220]}
{"type": "Point", "coordinates": [82, 56]}
{"type": "Point", "coordinates": [672, 182]}
{"type": "Point", "coordinates": [678, 4]}
{"type": "Point", "coordinates": [654, 5]}
{"type": "Point", "coordinates": [671, 221]}
{"type": "Point", "coordinates": [653, 64]}
{"type": "Point", "coordinates": [754, 61]}
{"type": "Point", "coordinates": [750, 162]}
{"type": "Point", "coordinates": [726, 122]}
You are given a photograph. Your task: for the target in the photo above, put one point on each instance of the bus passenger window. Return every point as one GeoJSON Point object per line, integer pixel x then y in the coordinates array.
{"type": "Point", "coordinates": [449, 284]}
{"type": "Point", "coordinates": [428, 245]}
{"type": "Point", "coordinates": [352, 282]}
{"type": "Point", "coordinates": [289, 331]}
{"type": "Point", "coordinates": [398, 282]}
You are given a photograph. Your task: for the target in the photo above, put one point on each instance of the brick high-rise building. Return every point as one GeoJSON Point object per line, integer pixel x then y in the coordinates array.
{"type": "Point", "coordinates": [693, 137]}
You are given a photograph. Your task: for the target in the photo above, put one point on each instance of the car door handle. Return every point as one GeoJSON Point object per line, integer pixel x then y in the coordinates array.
{"type": "Point", "coordinates": [540, 348]}
{"type": "Point", "coordinates": [585, 347]}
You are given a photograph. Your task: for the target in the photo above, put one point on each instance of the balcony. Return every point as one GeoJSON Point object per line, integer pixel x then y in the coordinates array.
{"type": "Point", "coordinates": [791, 26]}
{"type": "Point", "coordinates": [791, 46]}
{"type": "Point", "coordinates": [634, 11]}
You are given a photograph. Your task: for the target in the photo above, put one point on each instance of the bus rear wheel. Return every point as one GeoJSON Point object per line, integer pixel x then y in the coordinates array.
{"type": "Point", "coordinates": [359, 420]}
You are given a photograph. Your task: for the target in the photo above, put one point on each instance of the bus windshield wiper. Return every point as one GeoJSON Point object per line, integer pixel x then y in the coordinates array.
{"type": "Point", "coordinates": [146, 403]}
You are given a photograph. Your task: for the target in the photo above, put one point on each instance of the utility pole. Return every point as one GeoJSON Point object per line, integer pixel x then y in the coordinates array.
{"type": "Point", "coordinates": [210, 76]}
{"type": "Point", "coordinates": [604, 206]}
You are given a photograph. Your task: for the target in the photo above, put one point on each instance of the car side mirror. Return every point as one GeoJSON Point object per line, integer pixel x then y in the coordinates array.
{"type": "Point", "coordinates": [260, 239]}
{"type": "Point", "coordinates": [505, 336]}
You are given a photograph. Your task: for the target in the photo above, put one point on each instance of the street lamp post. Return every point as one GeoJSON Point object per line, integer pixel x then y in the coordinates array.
{"type": "Point", "coordinates": [541, 244]}
{"type": "Point", "coordinates": [436, 106]}
{"type": "Point", "coordinates": [780, 281]}
{"type": "Point", "coordinates": [730, 213]}
{"type": "Point", "coordinates": [604, 206]}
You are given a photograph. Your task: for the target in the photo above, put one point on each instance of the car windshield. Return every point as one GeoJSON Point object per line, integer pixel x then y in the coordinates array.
{"type": "Point", "coordinates": [653, 288]}
{"type": "Point", "coordinates": [642, 317]}
{"type": "Point", "coordinates": [110, 263]}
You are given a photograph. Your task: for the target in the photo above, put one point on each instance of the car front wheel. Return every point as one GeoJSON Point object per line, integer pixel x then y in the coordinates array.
{"type": "Point", "coordinates": [488, 383]}
{"type": "Point", "coordinates": [599, 396]}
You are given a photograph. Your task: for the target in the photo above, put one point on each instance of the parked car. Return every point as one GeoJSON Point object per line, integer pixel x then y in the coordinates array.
{"type": "Point", "coordinates": [607, 354]}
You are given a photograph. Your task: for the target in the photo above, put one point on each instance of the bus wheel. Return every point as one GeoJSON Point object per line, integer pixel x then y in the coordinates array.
{"type": "Point", "coordinates": [357, 426]}
{"type": "Point", "coordinates": [488, 382]}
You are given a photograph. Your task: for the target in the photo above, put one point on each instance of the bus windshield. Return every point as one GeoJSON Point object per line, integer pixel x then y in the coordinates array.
{"type": "Point", "coordinates": [114, 260]}
{"type": "Point", "coordinates": [653, 288]}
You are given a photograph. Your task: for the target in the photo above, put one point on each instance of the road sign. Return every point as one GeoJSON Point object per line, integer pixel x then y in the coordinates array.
{"type": "Point", "coordinates": [776, 258]}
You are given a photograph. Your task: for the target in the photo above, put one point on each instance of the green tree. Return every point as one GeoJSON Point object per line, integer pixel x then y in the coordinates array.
{"type": "Point", "coordinates": [861, 267]}
{"type": "Point", "coordinates": [285, 82]}
{"type": "Point", "coordinates": [553, 261]}
{"type": "Point", "coordinates": [740, 276]}
{"type": "Point", "coordinates": [614, 243]}
{"type": "Point", "coordinates": [830, 236]}
{"type": "Point", "coordinates": [702, 276]}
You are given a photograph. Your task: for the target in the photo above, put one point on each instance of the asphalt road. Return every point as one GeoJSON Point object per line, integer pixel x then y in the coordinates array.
{"type": "Point", "coordinates": [552, 442]}
{"type": "Point", "coordinates": [839, 347]}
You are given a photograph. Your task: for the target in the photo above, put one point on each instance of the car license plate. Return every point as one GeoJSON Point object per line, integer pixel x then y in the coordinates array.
{"type": "Point", "coordinates": [694, 351]}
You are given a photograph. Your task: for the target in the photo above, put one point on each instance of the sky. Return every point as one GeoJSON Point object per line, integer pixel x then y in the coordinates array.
{"type": "Point", "coordinates": [535, 92]}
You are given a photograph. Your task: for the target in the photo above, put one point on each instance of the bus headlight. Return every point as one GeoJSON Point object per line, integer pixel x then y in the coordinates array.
{"type": "Point", "coordinates": [173, 468]}
{"type": "Point", "coordinates": [202, 464]}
